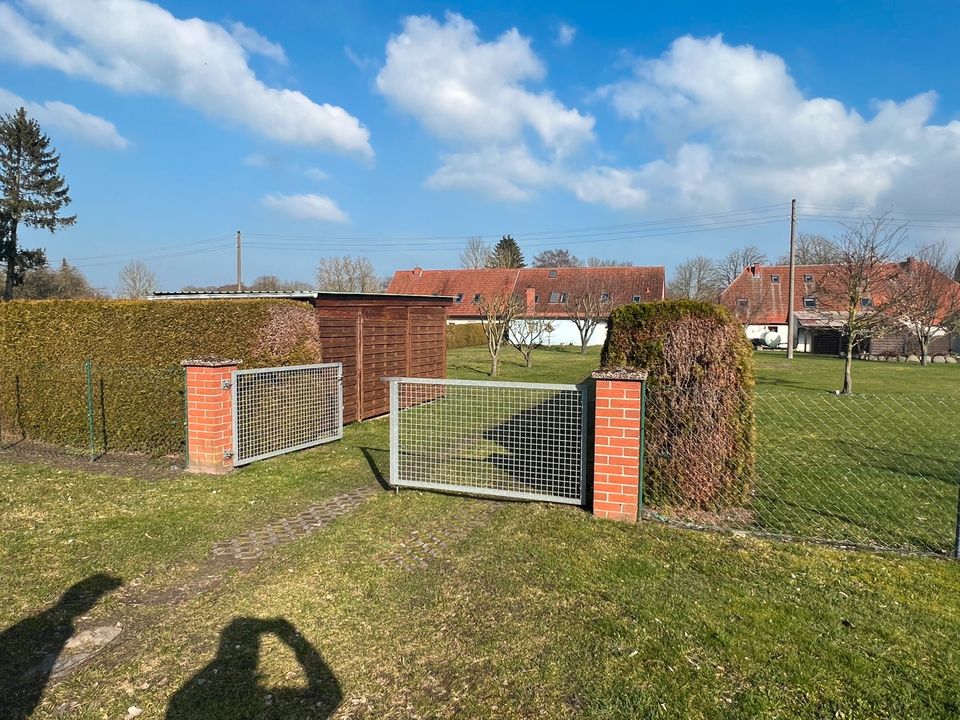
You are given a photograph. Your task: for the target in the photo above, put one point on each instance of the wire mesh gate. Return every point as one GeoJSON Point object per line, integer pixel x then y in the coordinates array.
{"type": "Point", "coordinates": [513, 440]}
{"type": "Point", "coordinates": [279, 410]}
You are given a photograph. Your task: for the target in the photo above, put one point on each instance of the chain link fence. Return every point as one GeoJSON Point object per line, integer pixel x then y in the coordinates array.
{"type": "Point", "coordinates": [876, 471]}
{"type": "Point", "coordinates": [94, 408]}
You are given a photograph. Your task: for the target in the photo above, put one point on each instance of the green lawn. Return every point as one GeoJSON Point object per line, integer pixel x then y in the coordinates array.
{"type": "Point", "coordinates": [507, 610]}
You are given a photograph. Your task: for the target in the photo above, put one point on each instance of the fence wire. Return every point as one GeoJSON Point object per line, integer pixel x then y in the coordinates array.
{"type": "Point", "coordinates": [865, 470]}
{"type": "Point", "coordinates": [279, 410]}
{"type": "Point", "coordinates": [94, 407]}
{"type": "Point", "coordinates": [522, 440]}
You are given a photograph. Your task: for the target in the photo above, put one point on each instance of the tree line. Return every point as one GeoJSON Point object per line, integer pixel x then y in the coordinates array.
{"type": "Point", "coordinates": [507, 254]}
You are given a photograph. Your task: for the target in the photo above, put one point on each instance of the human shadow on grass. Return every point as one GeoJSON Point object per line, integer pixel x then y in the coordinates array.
{"type": "Point", "coordinates": [543, 447]}
{"type": "Point", "coordinates": [29, 649]}
{"type": "Point", "coordinates": [231, 686]}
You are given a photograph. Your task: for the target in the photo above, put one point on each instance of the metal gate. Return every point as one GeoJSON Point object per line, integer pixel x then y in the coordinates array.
{"type": "Point", "coordinates": [282, 409]}
{"type": "Point", "coordinates": [513, 440]}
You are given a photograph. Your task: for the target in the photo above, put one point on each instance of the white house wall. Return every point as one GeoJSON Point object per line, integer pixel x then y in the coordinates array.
{"type": "Point", "coordinates": [564, 332]}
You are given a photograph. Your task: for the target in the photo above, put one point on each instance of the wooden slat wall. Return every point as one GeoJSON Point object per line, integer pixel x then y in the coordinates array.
{"type": "Point", "coordinates": [377, 339]}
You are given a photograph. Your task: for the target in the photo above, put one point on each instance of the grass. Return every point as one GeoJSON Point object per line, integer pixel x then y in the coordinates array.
{"type": "Point", "coordinates": [563, 364]}
{"type": "Point", "coordinates": [519, 610]}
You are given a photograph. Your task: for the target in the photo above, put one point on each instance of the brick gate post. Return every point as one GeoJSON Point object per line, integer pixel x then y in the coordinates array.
{"type": "Point", "coordinates": [209, 415]}
{"type": "Point", "coordinates": [616, 450]}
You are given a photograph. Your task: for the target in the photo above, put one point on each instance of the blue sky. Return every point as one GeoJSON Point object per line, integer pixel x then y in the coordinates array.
{"type": "Point", "coordinates": [646, 132]}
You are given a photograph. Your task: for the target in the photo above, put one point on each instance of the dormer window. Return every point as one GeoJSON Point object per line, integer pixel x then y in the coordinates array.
{"type": "Point", "coordinates": [558, 297]}
{"type": "Point", "coordinates": [809, 302]}
{"type": "Point", "coordinates": [636, 298]}
{"type": "Point", "coordinates": [775, 279]}
{"type": "Point", "coordinates": [458, 298]}
{"type": "Point", "coordinates": [605, 297]}
{"type": "Point", "coordinates": [478, 297]}
{"type": "Point", "coordinates": [866, 302]}
{"type": "Point", "coordinates": [808, 279]}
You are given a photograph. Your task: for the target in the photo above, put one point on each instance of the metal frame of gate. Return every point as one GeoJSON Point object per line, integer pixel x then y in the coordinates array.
{"type": "Point", "coordinates": [503, 439]}
{"type": "Point", "coordinates": [283, 409]}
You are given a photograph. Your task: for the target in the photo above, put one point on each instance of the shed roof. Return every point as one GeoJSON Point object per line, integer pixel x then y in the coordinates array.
{"type": "Point", "coordinates": [296, 295]}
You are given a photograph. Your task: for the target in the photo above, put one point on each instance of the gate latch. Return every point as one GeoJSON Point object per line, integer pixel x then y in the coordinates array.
{"type": "Point", "coordinates": [225, 384]}
{"type": "Point", "coordinates": [227, 454]}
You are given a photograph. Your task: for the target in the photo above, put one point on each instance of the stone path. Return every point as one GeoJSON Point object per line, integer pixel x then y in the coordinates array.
{"type": "Point", "coordinates": [423, 547]}
{"type": "Point", "coordinates": [253, 544]}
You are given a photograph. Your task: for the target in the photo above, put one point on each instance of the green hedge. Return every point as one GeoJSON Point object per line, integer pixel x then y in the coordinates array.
{"type": "Point", "coordinates": [700, 426]}
{"type": "Point", "coordinates": [465, 335]}
{"type": "Point", "coordinates": [135, 348]}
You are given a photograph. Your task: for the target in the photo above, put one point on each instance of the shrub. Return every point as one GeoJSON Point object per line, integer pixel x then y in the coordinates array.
{"type": "Point", "coordinates": [135, 349]}
{"type": "Point", "coordinates": [465, 335]}
{"type": "Point", "coordinates": [700, 426]}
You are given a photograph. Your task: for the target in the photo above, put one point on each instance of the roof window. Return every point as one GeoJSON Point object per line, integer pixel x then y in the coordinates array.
{"type": "Point", "coordinates": [553, 273]}
{"type": "Point", "coordinates": [775, 279]}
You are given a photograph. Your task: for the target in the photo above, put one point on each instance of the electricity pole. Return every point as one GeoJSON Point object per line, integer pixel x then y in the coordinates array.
{"type": "Point", "coordinates": [791, 321]}
{"type": "Point", "coordinates": [239, 274]}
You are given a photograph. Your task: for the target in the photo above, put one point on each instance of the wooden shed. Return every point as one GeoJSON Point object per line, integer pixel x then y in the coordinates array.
{"type": "Point", "coordinates": [374, 335]}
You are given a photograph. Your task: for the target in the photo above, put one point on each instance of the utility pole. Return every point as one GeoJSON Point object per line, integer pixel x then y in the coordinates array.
{"type": "Point", "coordinates": [240, 275]}
{"type": "Point", "coordinates": [791, 320]}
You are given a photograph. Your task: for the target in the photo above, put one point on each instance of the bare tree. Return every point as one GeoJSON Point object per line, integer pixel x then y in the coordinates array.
{"type": "Point", "coordinates": [497, 313]}
{"type": "Point", "coordinates": [586, 310]}
{"type": "Point", "coordinates": [526, 334]}
{"type": "Point", "coordinates": [476, 254]}
{"type": "Point", "coordinates": [347, 274]}
{"type": "Point", "coordinates": [604, 262]}
{"type": "Point", "coordinates": [557, 258]}
{"type": "Point", "coordinates": [858, 285]}
{"type": "Point", "coordinates": [271, 283]}
{"type": "Point", "coordinates": [927, 299]}
{"type": "Point", "coordinates": [695, 279]}
{"type": "Point", "coordinates": [735, 261]}
{"type": "Point", "coordinates": [812, 249]}
{"type": "Point", "coordinates": [136, 280]}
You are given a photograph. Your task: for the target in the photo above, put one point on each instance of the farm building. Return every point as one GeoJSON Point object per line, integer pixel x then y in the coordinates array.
{"type": "Point", "coordinates": [758, 297]}
{"type": "Point", "coordinates": [548, 292]}
{"type": "Point", "coordinates": [372, 334]}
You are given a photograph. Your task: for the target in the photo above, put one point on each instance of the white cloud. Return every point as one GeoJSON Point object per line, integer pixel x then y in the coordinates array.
{"type": "Point", "coordinates": [565, 35]}
{"type": "Point", "coordinates": [91, 129]}
{"type": "Point", "coordinates": [306, 207]}
{"type": "Point", "coordinates": [316, 174]}
{"type": "Point", "coordinates": [361, 62]}
{"type": "Point", "coordinates": [501, 174]}
{"type": "Point", "coordinates": [134, 46]}
{"type": "Point", "coordinates": [735, 128]}
{"type": "Point", "coordinates": [259, 160]}
{"type": "Point", "coordinates": [465, 90]}
{"type": "Point", "coordinates": [256, 44]}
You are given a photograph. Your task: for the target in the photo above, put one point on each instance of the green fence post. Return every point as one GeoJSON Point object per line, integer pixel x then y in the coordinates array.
{"type": "Point", "coordinates": [643, 445]}
{"type": "Point", "coordinates": [91, 436]}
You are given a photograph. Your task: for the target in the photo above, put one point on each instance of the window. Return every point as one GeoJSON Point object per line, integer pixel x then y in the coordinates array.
{"type": "Point", "coordinates": [536, 298]}
{"type": "Point", "coordinates": [604, 297]}
{"type": "Point", "coordinates": [554, 297]}
{"type": "Point", "coordinates": [866, 302]}
{"type": "Point", "coordinates": [808, 278]}
{"type": "Point", "coordinates": [775, 279]}
{"type": "Point", "coordinates": [742, 304]}
{"type": "Point", "coordinates": [636, 298]}
{"type": "Point", "coordinates": [809, 302]}
{"type": "Point", "coordinates": [458, 298]}
{"type": "Point", "coordinates": [553, 273]}
{"type": "Point", "coordinates": [478, 297]}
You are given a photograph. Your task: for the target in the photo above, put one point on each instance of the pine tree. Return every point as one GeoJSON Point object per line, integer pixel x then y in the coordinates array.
{"type": "Point", "coordinates": [506, 254]}
{"type": "Point", "coordinates": [32, 193]}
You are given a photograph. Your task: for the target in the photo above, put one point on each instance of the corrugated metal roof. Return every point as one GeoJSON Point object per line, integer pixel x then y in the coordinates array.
{"type": "Point", "coordinates": [284, 295]}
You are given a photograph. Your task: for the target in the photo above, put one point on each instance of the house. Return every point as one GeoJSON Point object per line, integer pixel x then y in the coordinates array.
{"type": "Point", "coordinates": [548, 292]}
{"type": "Point", "coordinates": [759, 298]}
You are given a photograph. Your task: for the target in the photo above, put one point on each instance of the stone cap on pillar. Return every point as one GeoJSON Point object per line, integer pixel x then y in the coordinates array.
{"type": "Point", "coordinates": [210, 362]}
{"type": "Point", "coordinates": [619, 373]}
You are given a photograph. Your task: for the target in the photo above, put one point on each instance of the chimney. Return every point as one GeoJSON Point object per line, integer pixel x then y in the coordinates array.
{"type": "Point", "coordinates": [417, 271]}
{"type": "Point", "coordinates": [531, 299]}
{"type": "Point", "coordinates": [754, 269]}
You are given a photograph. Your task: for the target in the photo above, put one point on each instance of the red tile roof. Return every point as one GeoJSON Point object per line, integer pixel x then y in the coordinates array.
{"type": "Point", "coordinates": [622, 283]}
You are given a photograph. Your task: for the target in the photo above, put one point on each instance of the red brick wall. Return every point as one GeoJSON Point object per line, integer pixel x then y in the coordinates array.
{"type": "Point", "coordinates": [209, 417]}
{"type": "Point", "coordinates": [616, 464]}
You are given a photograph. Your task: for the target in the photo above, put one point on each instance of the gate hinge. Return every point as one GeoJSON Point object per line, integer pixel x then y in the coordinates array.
{"type": "Point", "coordinates": [227, 454]}
{"type": "Point", "coordinates": [226, 384]}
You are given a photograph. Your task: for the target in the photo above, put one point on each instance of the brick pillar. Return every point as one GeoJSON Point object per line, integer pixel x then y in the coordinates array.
{"type": "Point", "coordinates": [209, 415]}
{"type": "Point", "coordinates": [616, 451]}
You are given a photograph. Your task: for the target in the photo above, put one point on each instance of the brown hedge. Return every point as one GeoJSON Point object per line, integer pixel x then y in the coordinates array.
{"type": "Point", "coordinates": [465, 335]}
{"type": "Point", "coordinates": [135, 349]}
{"type": "Point", "coordinates": [700, 425]}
